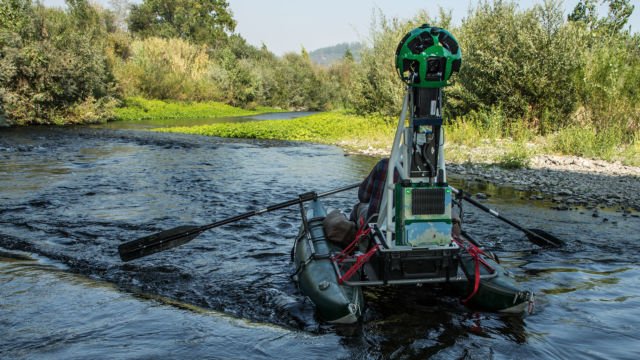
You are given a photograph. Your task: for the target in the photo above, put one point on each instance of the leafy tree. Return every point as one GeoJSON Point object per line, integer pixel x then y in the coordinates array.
{"type": "Point", "coordinates": [615, 21]}
{"type": "Point", "coordinates": [52, 67]}
{"type": "Point", "coordinates": [585, 11]}
{"type": "Point", "coordinates": [522, 62]}
{"type": "Point", "coordinates": [618, 15]}
{"type": "Point", "coordinates": [201, 21]}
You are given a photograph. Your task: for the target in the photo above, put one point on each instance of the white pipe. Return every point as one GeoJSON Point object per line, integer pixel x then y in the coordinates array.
{"type": "Point", "coordinates": [386, 217]}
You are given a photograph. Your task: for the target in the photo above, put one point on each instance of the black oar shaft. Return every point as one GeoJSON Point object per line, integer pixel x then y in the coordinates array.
{"type": "Point", "coordinates": [493, 212]}
{"type": "Point", "coordinates": [301, 199]}
{"type": "Point", "coordinates": [181, 235]}
{"type": "Point", "coordinates": [530, 234]}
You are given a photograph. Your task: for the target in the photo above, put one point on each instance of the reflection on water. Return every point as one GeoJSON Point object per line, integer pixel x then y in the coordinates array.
{"type": "Point", "coordinates": [72, 195]}
{"type": "Point", "coordinates": [55, 314]}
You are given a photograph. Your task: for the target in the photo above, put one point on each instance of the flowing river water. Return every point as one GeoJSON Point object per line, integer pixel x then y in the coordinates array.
{"type": "Point", "coordinates": [70, 196]}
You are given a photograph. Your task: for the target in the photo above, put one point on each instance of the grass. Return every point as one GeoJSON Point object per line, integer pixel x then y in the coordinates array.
{"type": "Point", "coordinates": [136, 108]}
{"type": "Point", "coordinates": [478, 139]}
{"type": "Point", "coordinates": [516, 157]}
{"type": "Point", "coordinates": [611, 144]}
{"type": "Point", "coordinates": [336, 127]}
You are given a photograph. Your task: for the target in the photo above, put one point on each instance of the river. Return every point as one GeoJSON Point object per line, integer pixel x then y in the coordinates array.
{"type": "Point", "coordinates": [70, 196]}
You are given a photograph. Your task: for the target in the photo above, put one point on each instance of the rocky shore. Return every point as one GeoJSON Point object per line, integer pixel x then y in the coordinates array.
{"type": "Point", "coordinates": [568, 181]}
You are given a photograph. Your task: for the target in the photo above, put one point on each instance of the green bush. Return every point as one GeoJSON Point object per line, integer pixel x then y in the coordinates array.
{"type": "Point", "coordinates": [517, 157]}
{"type": "Point", "coordinates": [608, 85]}
{"type": "Point", "coordinates": [376, 87]}
{"type": "Point", "coordinates": [237, 74]}
{"type": "Point", "coordinates": [167, 69]}
{"type": "Point", "coordinates": [588, 141]}
{"type": "Point", "coordinates": [53, 68]}
{"type": "Point", "coordinates": [521, 61]}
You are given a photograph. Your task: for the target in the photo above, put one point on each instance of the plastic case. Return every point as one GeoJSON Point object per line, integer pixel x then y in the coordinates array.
{"type": "Point", "coordinates": [423, 215]}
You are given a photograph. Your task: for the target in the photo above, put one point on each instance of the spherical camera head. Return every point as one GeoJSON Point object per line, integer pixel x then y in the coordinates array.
{"type": "Point", "coordinates": [427, 56]}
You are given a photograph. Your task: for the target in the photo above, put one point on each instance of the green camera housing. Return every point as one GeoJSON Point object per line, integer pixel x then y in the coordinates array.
{"type": "Point", "coordinates": [427, 56]}
{"type": "Point", "coordinates": [423, 215]}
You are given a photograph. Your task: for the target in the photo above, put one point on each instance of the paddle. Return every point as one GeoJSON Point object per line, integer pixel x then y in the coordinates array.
{"type": "Point", "coordinates": [536, 236]}
{"type": "Point", "coordinates": [180, 235]}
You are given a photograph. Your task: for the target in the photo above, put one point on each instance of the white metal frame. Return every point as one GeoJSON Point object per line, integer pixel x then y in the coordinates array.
{"type": "Point", "coordinates": [400, 151]}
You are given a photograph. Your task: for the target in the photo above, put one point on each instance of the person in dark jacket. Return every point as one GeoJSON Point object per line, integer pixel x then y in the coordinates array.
{"type": "Point", "coordinates": [370, 194]}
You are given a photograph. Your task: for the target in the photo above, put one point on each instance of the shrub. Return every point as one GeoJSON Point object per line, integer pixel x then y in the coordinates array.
{"type": "Point", "coordinates": [376, 87]}
{"type": "Point", "coordinates": [517, 157]}
{"type": "Point", "coordinates": [587, 141]}
{"type": "Point", "coordinates": [520, 61]}
{"type": "Point", "coordinates": [53, 68]}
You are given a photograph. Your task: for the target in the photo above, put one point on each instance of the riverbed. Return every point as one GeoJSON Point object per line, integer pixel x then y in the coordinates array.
{"type": "Point", "coordinates": [70, 196]}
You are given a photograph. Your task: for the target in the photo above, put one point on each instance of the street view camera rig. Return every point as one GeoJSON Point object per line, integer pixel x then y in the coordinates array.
{"type": "Point", "coordinates": [420, 215]}
{"type": "Point", "coordinates": [412, 239]}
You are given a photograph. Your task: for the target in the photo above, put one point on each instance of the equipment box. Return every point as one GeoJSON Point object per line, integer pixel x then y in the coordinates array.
{"type": "Point", "coordinates": [403, 265]}
{"type": "Point", "coordinates": [417, 263]}
{"type": "Point", "coordinates": [423, 215]}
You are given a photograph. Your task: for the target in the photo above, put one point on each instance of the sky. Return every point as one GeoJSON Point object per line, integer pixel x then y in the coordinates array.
{"type": "Point", "coordinates": [288, 25]}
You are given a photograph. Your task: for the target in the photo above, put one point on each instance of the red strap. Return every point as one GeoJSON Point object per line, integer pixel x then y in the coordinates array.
{"type": "Point", "coordinates": [475, 253]}
{"type": "Point", "coordinates": [360, 261]}
{"type": "Point", "coordinates": [362, 231]}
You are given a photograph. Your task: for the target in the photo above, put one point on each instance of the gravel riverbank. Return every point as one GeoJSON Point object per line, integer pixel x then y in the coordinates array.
{"type": "Point", "coordinates": [569, 181]}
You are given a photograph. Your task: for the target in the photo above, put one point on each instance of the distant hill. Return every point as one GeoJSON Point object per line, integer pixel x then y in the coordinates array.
{"type": "Point", "coordinates": [329, 55]}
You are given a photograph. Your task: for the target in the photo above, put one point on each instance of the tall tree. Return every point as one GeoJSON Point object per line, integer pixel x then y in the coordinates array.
{"type": "Point", "coordinates": [585, 11]}
{"type": "Point", "coordinates": [615, 21]}
{"type": "Point", "coordinates": [618, 15]}
{"type": "Point", "coordinates": [201, 21]}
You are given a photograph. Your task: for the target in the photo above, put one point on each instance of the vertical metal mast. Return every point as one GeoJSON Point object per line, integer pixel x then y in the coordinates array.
{"type": "Point", "coordinates": [416, 209]}
{"type": "Point", "coordinates": [417, 154]}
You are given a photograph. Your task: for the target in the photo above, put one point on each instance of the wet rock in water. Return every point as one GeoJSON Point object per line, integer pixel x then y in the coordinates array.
{"type": "Point", "coordinates": [565, 192]}
{"type": "Point", "coordinates": [482, 196]}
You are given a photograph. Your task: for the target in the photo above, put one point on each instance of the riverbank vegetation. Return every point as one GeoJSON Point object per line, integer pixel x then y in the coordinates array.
{"type": "Point", "coordinates": [337, 127]}
{"type": "Point", "coordinates": [560, 84]}
{"type": "Point", "coordinates": [137, 108]}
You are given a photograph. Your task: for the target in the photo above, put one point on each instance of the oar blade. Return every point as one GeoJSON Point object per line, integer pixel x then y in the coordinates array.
{"type": "Point", "coordinates": [158, 242]}
{"type": "Point", "coordinates": [543, 238]}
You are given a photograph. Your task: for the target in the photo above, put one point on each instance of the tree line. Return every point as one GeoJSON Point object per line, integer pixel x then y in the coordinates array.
{"type": "Point", "coordinates": [534, 67]}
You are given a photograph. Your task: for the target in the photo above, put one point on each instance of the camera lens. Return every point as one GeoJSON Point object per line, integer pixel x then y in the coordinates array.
{"type": "Point", "coordinates": [435, 69]}
{"type": "Point", "coordinates": [433, 66]}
